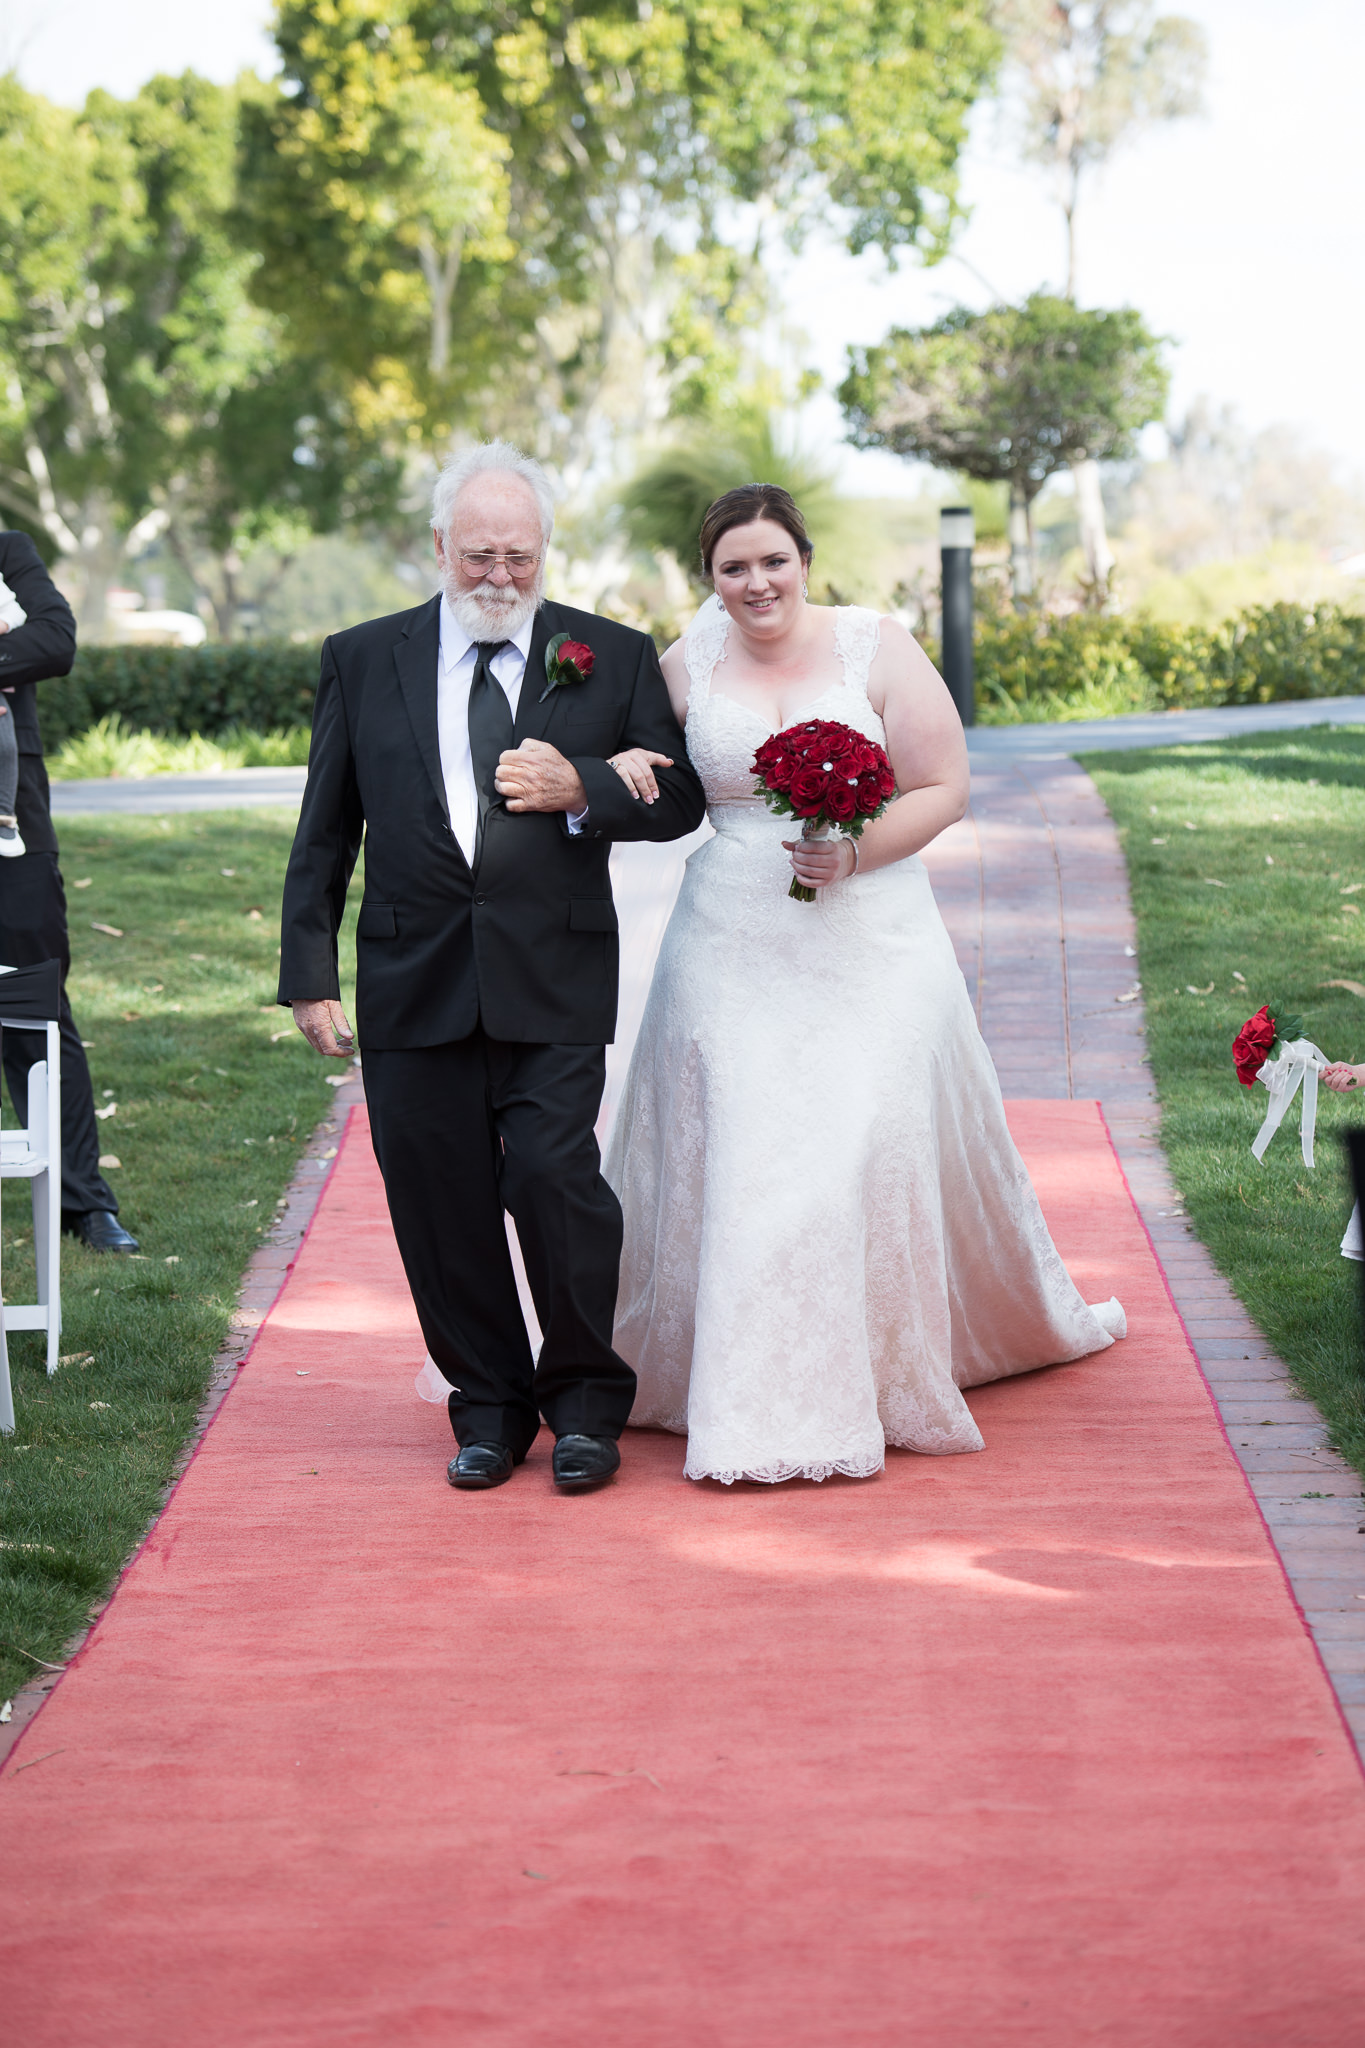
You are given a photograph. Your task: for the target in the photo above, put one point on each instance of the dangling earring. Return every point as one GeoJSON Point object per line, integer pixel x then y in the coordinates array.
{"type": "Point", "coordinates": [805, 589]}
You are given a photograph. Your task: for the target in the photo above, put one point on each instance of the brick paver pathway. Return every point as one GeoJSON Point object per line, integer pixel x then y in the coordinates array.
{"type": "Point", "coordinates": [1033, 889]}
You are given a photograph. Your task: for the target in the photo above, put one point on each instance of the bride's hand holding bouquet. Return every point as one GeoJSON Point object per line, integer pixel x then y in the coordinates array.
{"type": "Point", "coordinates": [833, 778]}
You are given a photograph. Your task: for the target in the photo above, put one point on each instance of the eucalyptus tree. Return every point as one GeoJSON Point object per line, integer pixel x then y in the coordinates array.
{"type": "Point", "coordinates": [1088, 77]}
{"type": "Point", "coordinates": [623, 163]}
{"type": "Point", "coordinates": [1010, 396]}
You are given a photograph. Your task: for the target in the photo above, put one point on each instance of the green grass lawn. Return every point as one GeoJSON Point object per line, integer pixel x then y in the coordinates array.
{"type": "Point", "coordinates": [209, 1121]}
{"type": "Point", "coordinates": [1247, 857]}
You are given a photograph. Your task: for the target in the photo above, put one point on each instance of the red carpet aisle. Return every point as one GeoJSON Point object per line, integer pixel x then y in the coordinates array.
{"type": "Point", "coordinates": [1022, 1748]}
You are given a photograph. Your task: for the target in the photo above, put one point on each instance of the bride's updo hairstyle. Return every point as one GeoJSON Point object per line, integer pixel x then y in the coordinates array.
{"type": "Point", "coordinates": [741, 507]}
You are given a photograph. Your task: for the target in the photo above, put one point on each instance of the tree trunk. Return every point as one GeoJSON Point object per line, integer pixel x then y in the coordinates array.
{"type": "Point", "coordinates": [1021, 546]}
{"type": "Point", "coordinates": [1099, 556]}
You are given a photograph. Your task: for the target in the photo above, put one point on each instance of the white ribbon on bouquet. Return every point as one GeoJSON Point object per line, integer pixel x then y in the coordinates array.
{"type": "Point", "coordinates": [1299, 1061]}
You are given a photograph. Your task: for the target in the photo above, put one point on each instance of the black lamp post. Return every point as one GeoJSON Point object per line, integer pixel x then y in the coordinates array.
{"type": "Point", "coordinates": [956, 539]}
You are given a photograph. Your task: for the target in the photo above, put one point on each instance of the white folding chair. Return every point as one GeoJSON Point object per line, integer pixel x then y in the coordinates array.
{"type": "Point", "coordinates": [35, 1155]}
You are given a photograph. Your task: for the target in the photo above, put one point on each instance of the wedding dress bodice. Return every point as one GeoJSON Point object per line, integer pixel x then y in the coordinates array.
{"type": "Point", "coordinates": [723, 734]}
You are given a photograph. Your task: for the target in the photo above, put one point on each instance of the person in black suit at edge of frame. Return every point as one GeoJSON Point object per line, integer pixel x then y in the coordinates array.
{"type": "Point", "coordinates": [489, 782]}
{"type": "Point", "coordinates": [33, 901]}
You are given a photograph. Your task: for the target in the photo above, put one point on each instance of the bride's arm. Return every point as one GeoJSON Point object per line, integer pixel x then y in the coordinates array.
{"type": "Point", "coordinates": [928, 750]}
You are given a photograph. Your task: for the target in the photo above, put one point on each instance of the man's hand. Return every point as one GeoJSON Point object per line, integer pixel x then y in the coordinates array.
{"type": "Point", "coordinates": [324, 1026]}
{"type": "Point", "coordinates": [536, 777]}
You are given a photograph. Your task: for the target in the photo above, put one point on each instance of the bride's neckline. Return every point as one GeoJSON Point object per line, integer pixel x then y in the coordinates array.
{"type": "Point", "coordinates": [752, 710]}
{"type": "Point", "coordinates": [759, 718]}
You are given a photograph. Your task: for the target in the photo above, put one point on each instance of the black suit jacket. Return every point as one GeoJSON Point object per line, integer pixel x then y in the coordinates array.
{"type": "Point", "coordinates": [33, 653]}
{"type": "Point", "coordinates": [528, 945]}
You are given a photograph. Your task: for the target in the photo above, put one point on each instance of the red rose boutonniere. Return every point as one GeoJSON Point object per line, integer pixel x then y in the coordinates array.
{"type": "Point", "coordinates": [566, 661]}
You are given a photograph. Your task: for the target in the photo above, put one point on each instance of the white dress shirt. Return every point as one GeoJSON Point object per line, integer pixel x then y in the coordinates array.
{"type": "Point", "coordinates": [454, 674]}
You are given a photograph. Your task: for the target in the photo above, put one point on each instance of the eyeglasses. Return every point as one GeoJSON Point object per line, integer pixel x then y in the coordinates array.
{"type": "Point", "coordinates": [482, 562]}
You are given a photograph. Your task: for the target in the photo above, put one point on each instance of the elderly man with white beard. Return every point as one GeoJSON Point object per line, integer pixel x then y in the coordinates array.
{"type": "Point", "coordinates": [490, 746]}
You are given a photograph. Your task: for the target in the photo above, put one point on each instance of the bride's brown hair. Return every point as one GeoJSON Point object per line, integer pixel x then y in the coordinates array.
{"type": "Point", "coordinates": [741, 507]}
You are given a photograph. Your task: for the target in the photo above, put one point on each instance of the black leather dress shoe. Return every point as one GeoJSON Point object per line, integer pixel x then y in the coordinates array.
{"type": "Point", "coordinates": [480, 1465]}
{"type": "Point", "coordinates": [100, 1229]}
{"type": "Point", "coordinates": [581, 1462]}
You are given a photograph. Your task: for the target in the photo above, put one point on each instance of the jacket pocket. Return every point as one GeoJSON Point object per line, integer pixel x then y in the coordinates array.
{"type": "Point", "coordinates": [592, 914]}
{"type": "Point", "coordinates": [377, 921]}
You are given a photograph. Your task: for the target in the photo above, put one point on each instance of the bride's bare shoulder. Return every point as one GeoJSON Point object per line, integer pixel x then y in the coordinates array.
{"type": "Point", "coordinates": [900, 667]}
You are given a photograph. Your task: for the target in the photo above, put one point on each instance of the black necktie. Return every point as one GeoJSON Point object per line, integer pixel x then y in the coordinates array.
{"type": "Point", "coordinates": [490, 727]}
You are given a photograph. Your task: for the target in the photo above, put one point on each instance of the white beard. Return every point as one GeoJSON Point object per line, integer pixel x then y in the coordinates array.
{"type": "Point", "coordinates": [492, 614]}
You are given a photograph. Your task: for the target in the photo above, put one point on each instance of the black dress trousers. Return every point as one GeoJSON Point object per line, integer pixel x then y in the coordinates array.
{"type": "Point", "coordinates": [462, 1132]}
{"type": "Point", "coordinates": [33, 928]}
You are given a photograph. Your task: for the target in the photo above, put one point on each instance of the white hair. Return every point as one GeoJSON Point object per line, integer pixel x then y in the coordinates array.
{"type": "Point", "coordinates": [491, 456]}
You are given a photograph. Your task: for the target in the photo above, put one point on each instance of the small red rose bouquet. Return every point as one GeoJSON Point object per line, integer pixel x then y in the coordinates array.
{"type": "Point", "coordinates": [1259, 1036]}
{"type": "Point", "coordinates": [827, 775]}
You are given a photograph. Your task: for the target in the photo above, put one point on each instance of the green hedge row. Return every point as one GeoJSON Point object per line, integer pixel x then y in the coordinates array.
{"type": "Point", "coordinates": [260, 685]}
{"type": "Point", "coordinates": [1271, 654]}
{"type": "Point", "coordinates": [1026, 665]}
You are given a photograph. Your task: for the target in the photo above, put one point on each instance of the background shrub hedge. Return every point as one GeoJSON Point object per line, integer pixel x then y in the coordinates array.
{"type": "Point", "coordinates": [1032, 666]}
{"type": "Point", "coordinates": [1028, 666]}
{"type": "Point", "coordinates": [259, 685]}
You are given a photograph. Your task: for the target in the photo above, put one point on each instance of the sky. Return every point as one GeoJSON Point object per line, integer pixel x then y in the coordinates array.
{"type": "Point", "coordinates": [1238, 235]}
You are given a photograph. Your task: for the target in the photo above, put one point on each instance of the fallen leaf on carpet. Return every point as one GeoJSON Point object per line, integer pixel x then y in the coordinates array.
{"type": "Point", "coordinates": [51, 1752]}
{"type": "Point", "coordinates": [111, 931]}
{"type": "Point", "coordinates": [541, 1876]}
{"type": "Point", "coordinates": [301, 1374]}
{"type": "Point", "coordinates": [1355, 988]}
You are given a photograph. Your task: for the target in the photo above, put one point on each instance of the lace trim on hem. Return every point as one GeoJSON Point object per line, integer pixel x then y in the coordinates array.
{"type": "Point", "coordinates": [774, 1475]}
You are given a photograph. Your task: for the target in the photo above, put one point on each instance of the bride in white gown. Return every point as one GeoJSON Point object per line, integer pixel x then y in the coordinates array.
{"type": "Point", "coordinates": [828, 1230]}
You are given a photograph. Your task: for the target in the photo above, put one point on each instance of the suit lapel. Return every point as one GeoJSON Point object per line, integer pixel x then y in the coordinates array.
{"type": "Point", "coordinates": [533, 717]}
{"type": "Point", "coordinates": [416, 657]}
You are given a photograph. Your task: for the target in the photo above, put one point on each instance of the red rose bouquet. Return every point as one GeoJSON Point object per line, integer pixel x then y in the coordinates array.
{"type": "Point", "coordinates": [826, 774]}
{"type": "Point", "coordinates": [1259, 1036]}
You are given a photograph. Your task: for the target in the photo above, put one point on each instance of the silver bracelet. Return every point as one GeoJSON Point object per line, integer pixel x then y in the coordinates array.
{"type": "Point", "coordinates": [854, 844]}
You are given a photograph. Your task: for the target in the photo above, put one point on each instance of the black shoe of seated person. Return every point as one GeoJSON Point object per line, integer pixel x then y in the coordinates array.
{"type": "Point", "coordinates": [99, 1230]}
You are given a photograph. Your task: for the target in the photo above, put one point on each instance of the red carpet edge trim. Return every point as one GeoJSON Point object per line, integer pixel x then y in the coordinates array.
{"type": "Point", "coordinates": [9, 1767]}
{"type": "Point", "coordinates": [1245, 1477]}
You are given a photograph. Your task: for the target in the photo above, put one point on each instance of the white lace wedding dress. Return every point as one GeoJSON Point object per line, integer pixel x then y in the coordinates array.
{"type": "Point", "coordinates": [828, 1230]}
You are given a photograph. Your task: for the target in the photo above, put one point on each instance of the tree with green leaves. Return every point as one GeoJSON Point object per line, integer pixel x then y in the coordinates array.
{"type": "Point", "coordinates": [1011, 395]}
{"type": "Point", "coordinates": [634, 159]}
{"type": "Point", "coordinates": [1088, 77]}
{"type": "Point", "coordinates": [143, 394]}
